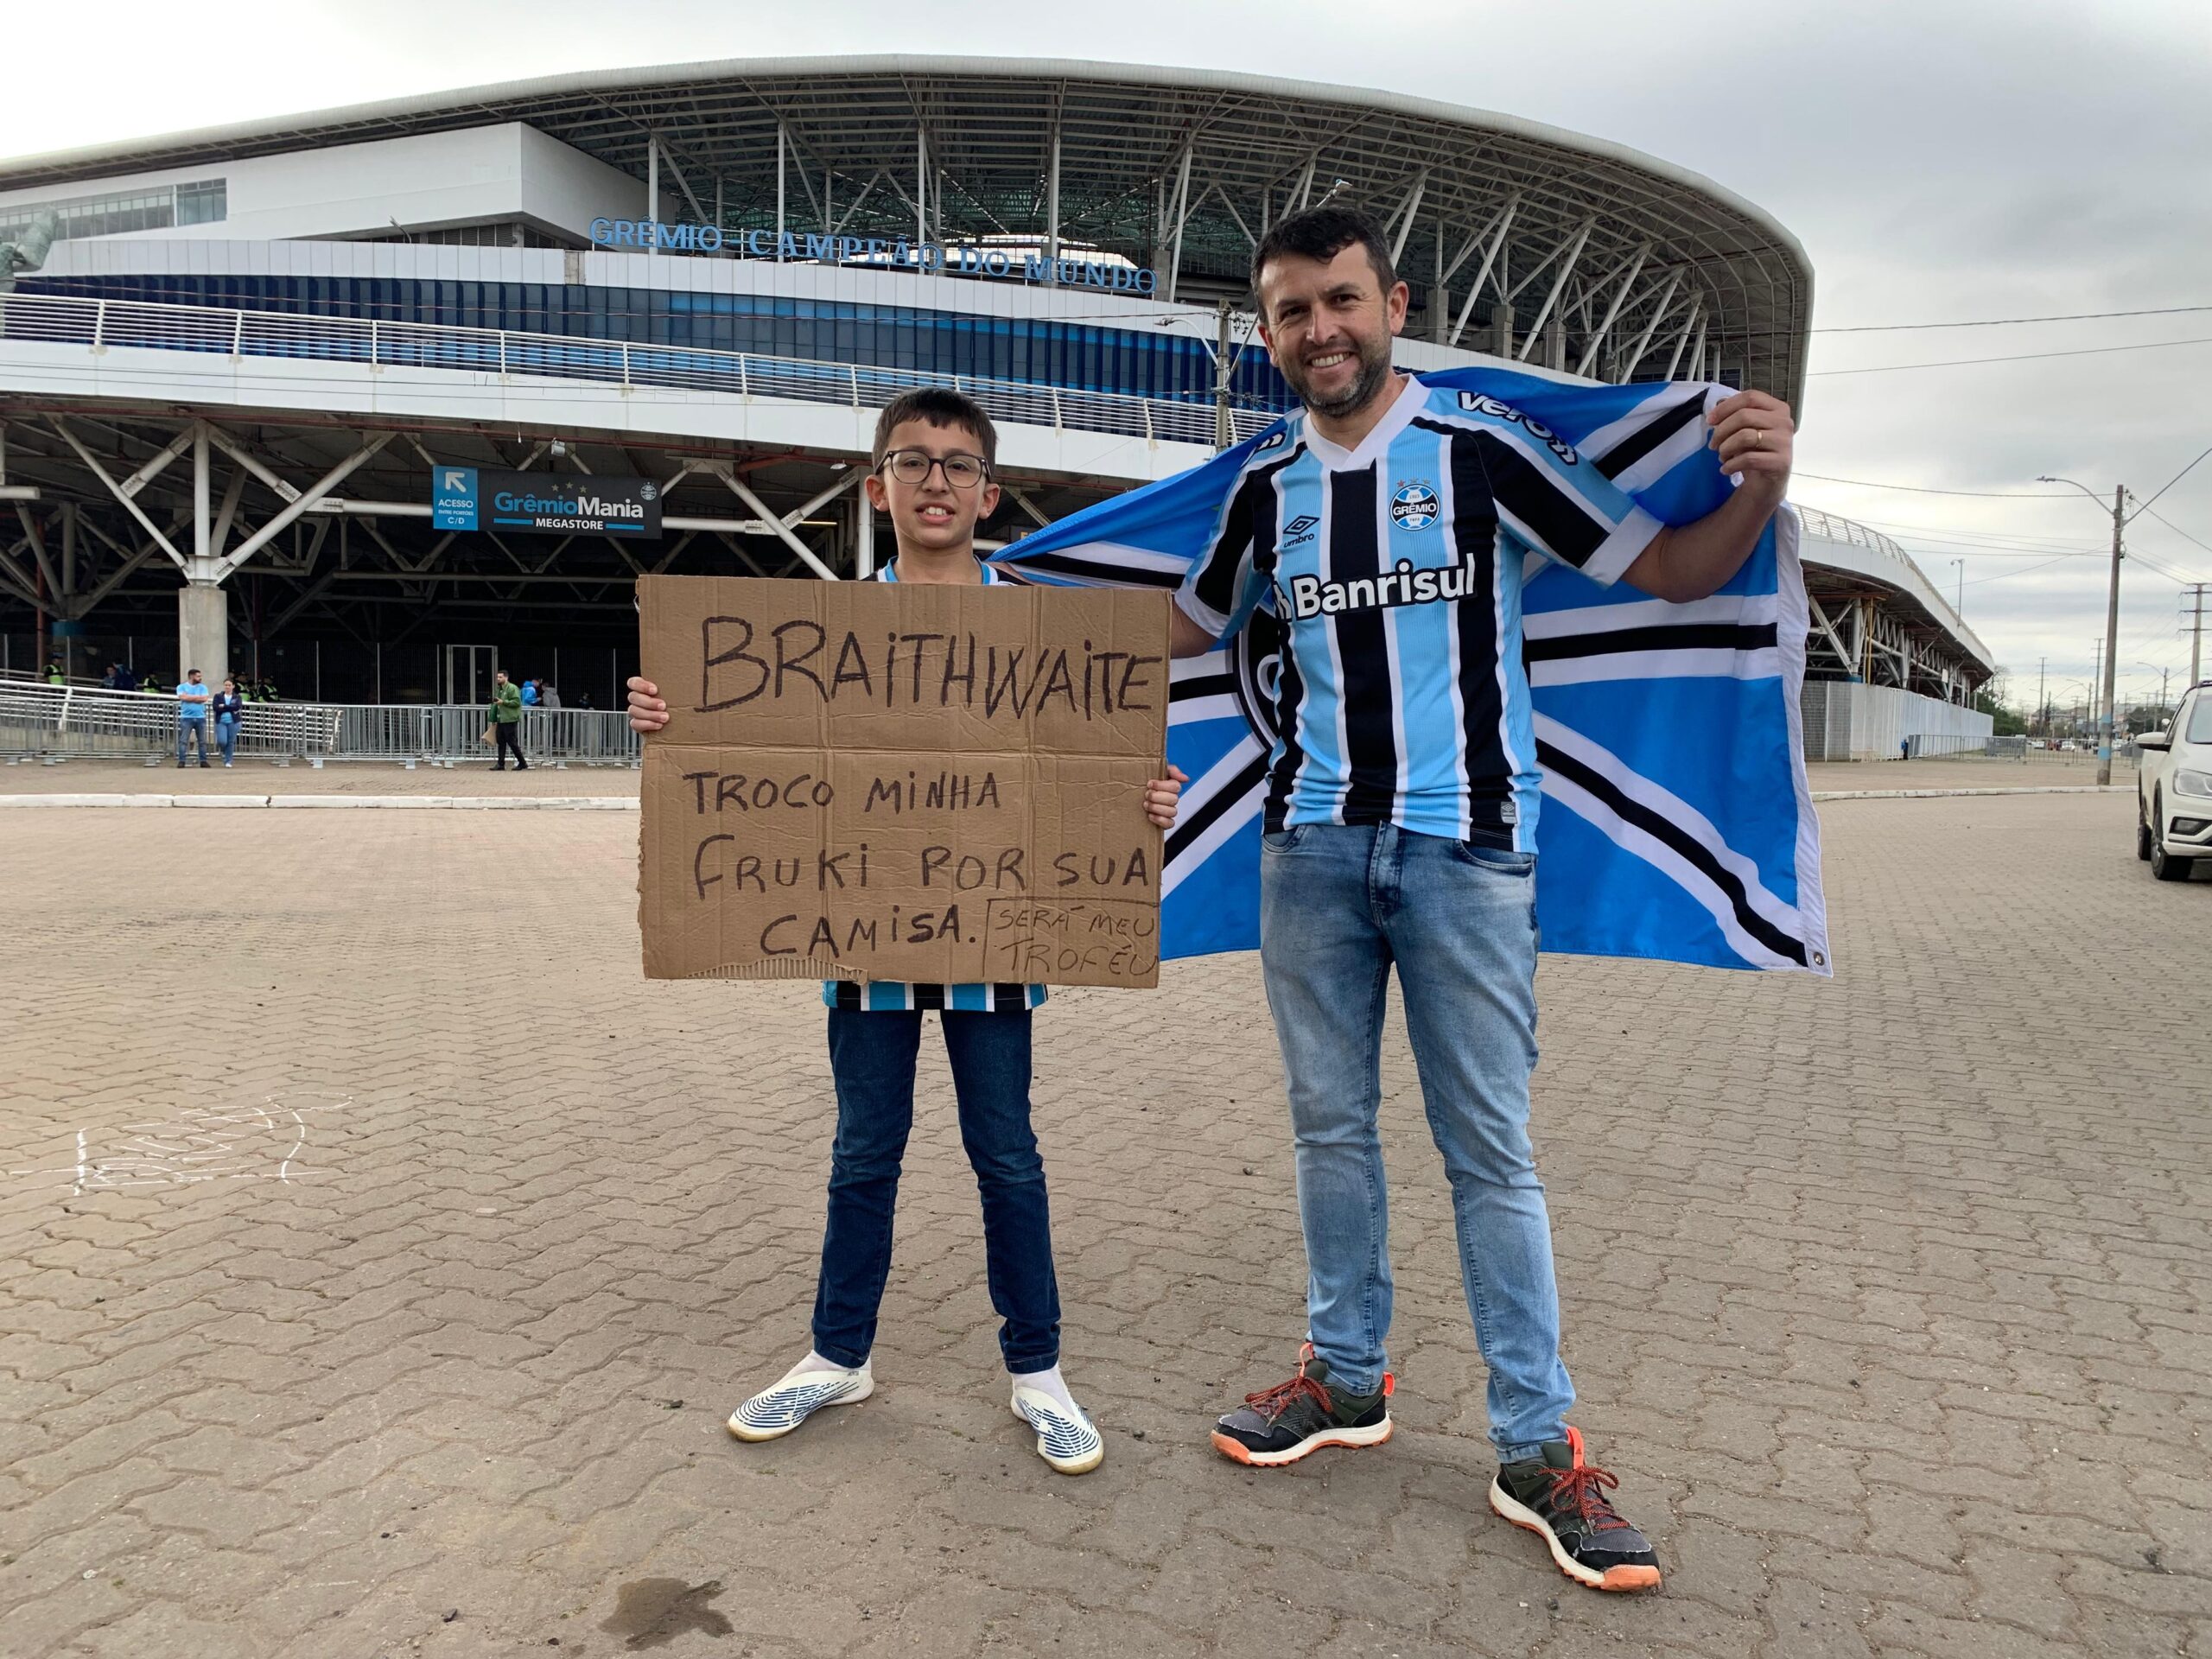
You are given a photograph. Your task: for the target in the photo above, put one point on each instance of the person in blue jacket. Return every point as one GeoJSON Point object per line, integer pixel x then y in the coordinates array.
{"type": "Point", "coordinates": [227, 709]}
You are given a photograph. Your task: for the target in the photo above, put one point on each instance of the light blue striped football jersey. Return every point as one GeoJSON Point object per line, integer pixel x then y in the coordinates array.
{"type": "Point", "coordinates": [1396, 571]}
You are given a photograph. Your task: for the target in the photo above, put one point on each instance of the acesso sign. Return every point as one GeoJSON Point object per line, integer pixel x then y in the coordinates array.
{"type": "Point", "coordinates": [952, 259]}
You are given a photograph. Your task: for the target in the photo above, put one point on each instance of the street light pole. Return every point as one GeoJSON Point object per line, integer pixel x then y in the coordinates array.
{"type": "Point", "coordinates": [2112, 616]}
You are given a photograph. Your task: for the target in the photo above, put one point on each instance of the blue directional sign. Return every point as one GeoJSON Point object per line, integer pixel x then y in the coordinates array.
{"type": "Point", "coordinates": [453, 498]}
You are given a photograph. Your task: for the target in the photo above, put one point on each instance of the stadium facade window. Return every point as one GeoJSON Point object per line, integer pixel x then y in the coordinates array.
{"type": "Point", "coordinates": [202, 201]}
{"type": "Point", "coordinates": [1039, 352]}
{"type": "Point", "coordinates": [490, 233]}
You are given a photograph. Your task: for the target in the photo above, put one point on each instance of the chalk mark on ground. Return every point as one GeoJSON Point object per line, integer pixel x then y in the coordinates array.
{"type": "Point", "coordinates": [198, 1144]}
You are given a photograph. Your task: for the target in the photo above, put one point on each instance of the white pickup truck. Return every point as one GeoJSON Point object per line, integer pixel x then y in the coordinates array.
{"type": "Point", "coordinates": [2173, 790]}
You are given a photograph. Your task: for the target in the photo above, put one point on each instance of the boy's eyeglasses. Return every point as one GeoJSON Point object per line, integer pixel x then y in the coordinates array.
{"type": "Point", "coordinates": [913, 466]}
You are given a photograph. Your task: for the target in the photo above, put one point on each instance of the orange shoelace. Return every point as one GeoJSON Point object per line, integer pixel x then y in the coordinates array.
{"type": "Point", "coordinates": [1582, 1489]}
{"type": "Point", "coordinates": [1271, 1403]}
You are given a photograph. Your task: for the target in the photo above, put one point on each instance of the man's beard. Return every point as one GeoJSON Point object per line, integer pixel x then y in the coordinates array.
{"type": "Point", "coordinates": [1373, 374]}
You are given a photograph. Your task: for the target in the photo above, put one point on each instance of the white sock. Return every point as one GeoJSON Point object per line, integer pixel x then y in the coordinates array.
{"type": "Point", "coordinates": [815, 1362]}
{"type": "Point", "coordinates": [1048, 1382]}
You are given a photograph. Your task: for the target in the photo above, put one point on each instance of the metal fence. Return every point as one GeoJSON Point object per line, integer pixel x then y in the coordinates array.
{"type": "Point", "coordinates": [67, 720]}
{"type": "Point", "coordinates": [401, 731]}
{"type": "Point", "coordinates": [98, 324]}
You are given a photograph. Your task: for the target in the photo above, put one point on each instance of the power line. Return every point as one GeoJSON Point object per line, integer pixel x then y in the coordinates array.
{"type": "Point", "coordinates": [2173, 576]}
{"type": "Point", "coordinates": [2178, 530]}
{"type": "Point", "coordinates": [2000, 322]}
{"type": "Point", "coordinates": [2019, 357]}
{"type": "Point", "coordinates": [1918, 489]}
{"type": "Point", "coordinates": [1968, 538]}
{"type": "Point", "coordinates": [2170, 483]}
{"type": "Point", "coordinates": [2007, 575]}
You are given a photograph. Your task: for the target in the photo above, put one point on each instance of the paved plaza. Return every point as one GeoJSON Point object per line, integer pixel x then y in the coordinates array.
{"type": "Point", "coordinates": [379, 1255]}
{"type": "Point", "coordinates": [475, 777]}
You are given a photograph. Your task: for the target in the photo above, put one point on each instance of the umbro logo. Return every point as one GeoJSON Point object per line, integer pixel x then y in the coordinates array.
{"type": "Point", "coordinates": [1298, 527]}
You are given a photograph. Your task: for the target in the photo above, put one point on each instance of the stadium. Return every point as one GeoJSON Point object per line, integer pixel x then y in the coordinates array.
{"type": "Point", "coordinates": [366, 402]}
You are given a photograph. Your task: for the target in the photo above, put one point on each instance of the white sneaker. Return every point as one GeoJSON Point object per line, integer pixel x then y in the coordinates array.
{"type": "Point", "coordinates": [776, 1411]}
{"type": "Point", "coordinates": [1070, 1444]}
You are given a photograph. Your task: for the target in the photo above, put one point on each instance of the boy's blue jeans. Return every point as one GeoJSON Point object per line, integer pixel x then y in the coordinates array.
{"type": "Point", "coordinates": [1339, 905]}
{"type": "Point", "coordinates": [872, 1057]}
{"type": "Point", "coordinates": [196, 729]}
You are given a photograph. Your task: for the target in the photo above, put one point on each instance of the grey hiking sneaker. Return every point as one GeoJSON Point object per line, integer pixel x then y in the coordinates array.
{"type": "Point", "coordinates": [1282, 1424]}
{"type": "Point", "coordinates": [1562, 1499]}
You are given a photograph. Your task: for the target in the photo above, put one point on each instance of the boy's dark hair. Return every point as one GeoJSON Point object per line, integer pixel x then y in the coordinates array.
{"type": "Point", "coordinates": [939, 406]}
{"type": "Point", "coordinates": [1323, 233]}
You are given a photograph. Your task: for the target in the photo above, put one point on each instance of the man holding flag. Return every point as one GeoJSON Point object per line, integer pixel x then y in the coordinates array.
{"type": "Point", "coordinates": [1389, 524]}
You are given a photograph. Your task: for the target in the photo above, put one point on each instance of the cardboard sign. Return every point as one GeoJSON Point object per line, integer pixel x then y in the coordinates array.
{"type": "Point", "coordinates": [878, 780]}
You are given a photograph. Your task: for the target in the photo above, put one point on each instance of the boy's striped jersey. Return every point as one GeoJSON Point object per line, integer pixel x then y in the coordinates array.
{"type": "Point", "coordinates": [896, 995]}
{"type": "Point", "coordinates": [1396, 570]}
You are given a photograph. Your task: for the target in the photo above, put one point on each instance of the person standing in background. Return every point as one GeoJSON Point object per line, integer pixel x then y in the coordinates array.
{"type": "Point", "coordinates": [529, 698]}
{"type": "Point", "coordinates": [193, 698]}
{"type": "Point", "coordinates": [228, 709]}
{"type": "Point", "coordinates": [506, 716]}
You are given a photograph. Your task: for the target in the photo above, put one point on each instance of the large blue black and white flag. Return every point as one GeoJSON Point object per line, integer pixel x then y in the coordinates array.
{"type": "Point", "coordinates": [1677, 822]}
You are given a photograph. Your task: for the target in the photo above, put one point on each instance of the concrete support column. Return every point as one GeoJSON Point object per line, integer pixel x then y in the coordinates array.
{"type": "Point", "coordinates": [203, 609]}
{"type": "Point", "coordinates": [203, 632]}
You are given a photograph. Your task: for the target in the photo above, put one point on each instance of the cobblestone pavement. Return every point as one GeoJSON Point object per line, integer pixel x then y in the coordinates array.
{"type": "Point", "coordinates": [91, 776]}
{"type": "Point", "coordinates": [380, 1255]}
{"type": "Point", "coordinates": [84, 776]}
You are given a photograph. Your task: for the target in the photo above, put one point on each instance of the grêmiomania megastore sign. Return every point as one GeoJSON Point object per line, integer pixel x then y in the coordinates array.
{"type": "Point", "coordinates": [876, 252]}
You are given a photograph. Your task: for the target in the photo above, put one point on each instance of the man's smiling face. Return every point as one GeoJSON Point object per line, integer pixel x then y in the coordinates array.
{"type": "Point", "coordinates": [1328, 325]}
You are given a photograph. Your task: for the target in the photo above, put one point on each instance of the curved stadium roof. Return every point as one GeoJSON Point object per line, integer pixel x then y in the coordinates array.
{"type": "Point", "coordinates": [1177, 169]}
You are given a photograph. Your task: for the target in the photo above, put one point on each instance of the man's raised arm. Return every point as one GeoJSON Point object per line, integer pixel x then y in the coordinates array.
{"type": "Point", "coordinates": [1754, 434]}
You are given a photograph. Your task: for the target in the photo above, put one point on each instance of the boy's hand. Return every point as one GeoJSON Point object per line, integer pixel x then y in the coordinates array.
{"type": "Point", "coordinates": [647, 712]}
{"type": "Point", "coordinates": [1160, 795]}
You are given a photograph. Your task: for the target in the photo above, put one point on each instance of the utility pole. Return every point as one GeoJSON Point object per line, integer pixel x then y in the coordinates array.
{"type": "Point", "coordinates": [1223, 435]}
{"type": "Point", "coordinates": [2195, 610]}
{"type": "Point", "coordinates": [2043, 702]}
{"type": "Point", "coordinates": [2112, 617]}
{"type": "Point", "coordinates": [2112, 634]}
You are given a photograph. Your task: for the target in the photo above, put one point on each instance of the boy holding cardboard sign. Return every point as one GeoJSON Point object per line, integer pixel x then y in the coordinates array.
{"type": "Point", "coordinates": [932, 460]}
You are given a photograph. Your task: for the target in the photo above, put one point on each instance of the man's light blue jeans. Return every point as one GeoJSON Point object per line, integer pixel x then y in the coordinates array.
{"type": "Point", "coordinates": [1339, 905]}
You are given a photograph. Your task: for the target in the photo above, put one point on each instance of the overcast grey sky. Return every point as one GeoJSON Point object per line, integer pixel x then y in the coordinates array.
{"type": "Point", "coordinates": [1940, 160]}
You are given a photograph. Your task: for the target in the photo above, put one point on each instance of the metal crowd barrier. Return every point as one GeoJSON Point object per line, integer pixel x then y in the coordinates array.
{"type": "Point", "coordinates": [74, 720]}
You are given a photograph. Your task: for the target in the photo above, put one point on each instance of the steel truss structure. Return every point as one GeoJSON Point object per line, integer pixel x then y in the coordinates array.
{"type": "Point", "coordinates": [1520, 239]}
{"type": "Point", "coordinates": [103, 505]}
{"type": "Point", "coordinates": [1878, 620]}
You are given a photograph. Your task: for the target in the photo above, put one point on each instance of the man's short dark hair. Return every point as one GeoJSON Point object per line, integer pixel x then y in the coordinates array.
{"type": "Point", "coordinates": [1322, 233]}
{"type": "Point", "coordinates": [939, 406]}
